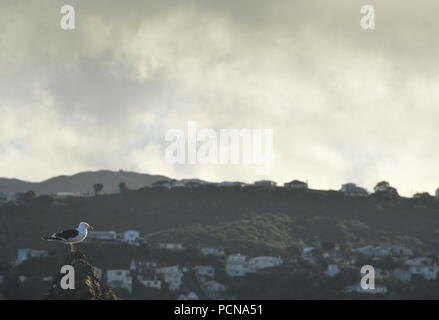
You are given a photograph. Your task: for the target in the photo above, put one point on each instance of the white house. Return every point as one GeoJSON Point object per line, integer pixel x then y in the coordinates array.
{"type": "Point", "coordinates": [237, 266]}
{"type": "Point", "coordinates": [374, 251]}
{"type": "Point", "coordinates": [25, 254]}
{"type": "Point", "coordinates": [130, 236]}
{"type": "Point", "coordinates": [120, 279]}
{"type": "Point", "coordinates": [424, 267]}
{"type": "Point", "coordinates": [351, 189]}
{"type": "Point", "coordinates": [204, 271]}
{"type": "Point", "coordinates": [149, 283]}
{"type": "Point", "coordinates": [332, 270]}
{"type": "Point", "coordinates": [171, 246]}
{"type": "Point", "coordinates": [212, 251]}
{"type": "Point", "coordinates": [296, 184]}
{"type": "Point", "coordinates": [265, 183]}
{"type": "Point", "coordinates": [142, 265]}
{"type": "Point", "coordinates": [190, 296]}
{"type": "Point", "coordinates": [401, 251]}
{"type": "Point", "coordinates": [102, 235]}
{"type": "Point", "coordinates": [229, 184]}
{"type": "Point", "coordinates": [265, 262]}
{"type": "Point", "coordinates": [65, 195]}
{"type": "Point", "coordinates": [173, 276]}
{"type": "Point", "coordinates": [213, 289]}
{"type": "Point", "coordinates": [401, 274]}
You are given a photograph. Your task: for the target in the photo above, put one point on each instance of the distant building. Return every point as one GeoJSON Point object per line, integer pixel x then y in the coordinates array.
{"type": "Point", "coordinates": [265, 262]}
{"type": "Point", "coordinates": [170, 246]}
{"type": "Point", "coordinates": [212, 251]}
{"type": "Point", "coordinates": [332, 270]}
{"type": "Point", "coordinates": [131, 236]}
{"type": "Point", "coordinates": [351, 189]}
{"type": "Point", "coordinates": [102, 235]}
{"type": "Point", "coordinates": [142, 265]}
{"type": "Point", "coordinates": [120, 279]}
{"type": "Point", "coordinates": [237, 266]}
{"type": "Point", "coordinates": [173, 277]}
{"type": "Point", "coordinates": [401, 251]}
{"type": "Point", "coordinates": [149, 283]}
{"type": "Point", "coordinates": [401, 274]}
{"type": "Point", "coordinates": [265, 183]}
{"type": "Point", "coordinates": [204, 271]}
{"type": "Point", "coordinates": [296, 184]}
{"type": "Point", "coordinates": [374, 251]}
{"type": "Point", "coordinates": [214, 289]}
{"type": "Point", "coordinates": [64, 195]}
{"type": "Point", "coordinates": [424, 267]}
{"type": "Point", "coordinates": [25, 254]}
{"type": "Point", "coordinates": [168, 184]}
{"type": "Point", "coordinates": [230, 184]}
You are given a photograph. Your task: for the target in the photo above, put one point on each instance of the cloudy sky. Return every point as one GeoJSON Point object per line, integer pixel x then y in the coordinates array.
{"type": "Point", "coordinates": [345, 104]}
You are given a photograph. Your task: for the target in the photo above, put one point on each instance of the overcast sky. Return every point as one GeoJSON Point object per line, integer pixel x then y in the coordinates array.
{"type": "Point", "coordinates": [346, 105]}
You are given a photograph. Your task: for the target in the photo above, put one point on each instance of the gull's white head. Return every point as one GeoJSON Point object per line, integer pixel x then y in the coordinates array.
{"type": "Point", "coordinates": [85, 226]}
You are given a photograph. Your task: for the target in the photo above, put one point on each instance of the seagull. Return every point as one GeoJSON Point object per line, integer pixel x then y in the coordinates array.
{"type": "Point", "coordinates": [71, 236]}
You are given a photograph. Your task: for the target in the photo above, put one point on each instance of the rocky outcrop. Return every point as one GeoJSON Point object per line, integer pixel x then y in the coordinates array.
{"type": "Point", "coordinates": [87, 286]}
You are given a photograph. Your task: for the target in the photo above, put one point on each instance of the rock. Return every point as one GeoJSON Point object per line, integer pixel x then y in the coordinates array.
{"type": "Point", "coordinates": [87, 286]}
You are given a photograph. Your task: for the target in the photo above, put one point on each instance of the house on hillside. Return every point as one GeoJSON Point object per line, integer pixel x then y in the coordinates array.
{"type": "Point", "coordinates": [237, 266]}
{"type": "Point", "coordinates": [401, 274]}
{"type": "Point", "coordinates": [170, 246]}
{"type": "Point", "coordinates": [172, 276]}
{"type": "Point", "coordinates": [332, 270]}
{"type": "Point", "coordinates": [204, 271]}
{"type": "Point", "coordinates": [130, 236]}
{"type": "Point", "coordinates": [65, 195]}
{"type": "Point", "coordinates": [120, 279]}
{"type": "Point", "coordinates": [212, 251]}
{"type": "Point", "coordinates": [263, 262]}
{"type": "Point", "coordinates": [374, 251]}
{"type": "Point", "coordinates": [230, 184]}
{"type": "Point", "coordinates": [265, 183]}
{"type": "Point", "coordinates": [25, 254]}
{"type": "Point", "coordinates": [424, 267]}
{"type": "Point", "coordinates": [296, 184]}
{"type": "Point", "coordinates": [137, 266]}
{"type": "Point", "coordinates": [102, 235]}
{"type": "Point", "coordinates": [401, 251]}
{"type": "Point", "coordinates": [168, 184]}
{"type": "Point", "coordinates": [214, 289]}
{"type": "Point", "coordinates": [351, 189]}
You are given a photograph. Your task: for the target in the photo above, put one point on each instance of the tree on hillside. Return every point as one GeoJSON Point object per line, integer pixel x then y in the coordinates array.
{"type": "Point", "coordinates": [123, 187]}
{"type": "Point", "coordinates": [98, 187]}
{"type": "Point", "coordinates": [384, 188]}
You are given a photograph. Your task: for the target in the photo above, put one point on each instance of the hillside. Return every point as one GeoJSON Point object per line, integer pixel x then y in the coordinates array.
{"type": "Point", "coordinates": [260, 220]}
{"type": "Point", "coordinates": [80, 182]}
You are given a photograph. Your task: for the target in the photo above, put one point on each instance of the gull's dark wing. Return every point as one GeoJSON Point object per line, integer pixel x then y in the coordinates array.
{"type": "Point", "coordinates": [66, 234]}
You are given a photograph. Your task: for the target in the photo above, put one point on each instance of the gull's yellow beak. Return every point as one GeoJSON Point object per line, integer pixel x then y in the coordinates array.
{"type": "Point", "coordinates": [90, 228]}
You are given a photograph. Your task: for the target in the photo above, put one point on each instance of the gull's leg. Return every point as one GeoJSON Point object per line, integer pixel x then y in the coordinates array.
{"type": "Point", "coordinates": [71, 247]}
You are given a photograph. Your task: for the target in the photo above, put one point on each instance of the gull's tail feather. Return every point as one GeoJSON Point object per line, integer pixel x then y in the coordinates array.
{"type": "Point", "coordinates": [51, 239]}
